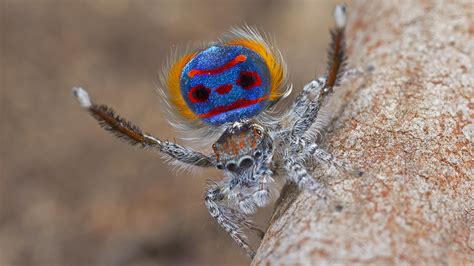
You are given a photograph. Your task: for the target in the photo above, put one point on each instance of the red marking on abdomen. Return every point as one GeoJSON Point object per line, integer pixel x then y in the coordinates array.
{"type": "Point", "coordinates": [217, 70]}
{"type": "Point", "coordinates": [199, 94]}
{"type": "Point", "coordinates": [224, 89]}
{"type": "Point", "coordinates": [241, 103]}
{"type": "Point", "coordinates": [248, 80]}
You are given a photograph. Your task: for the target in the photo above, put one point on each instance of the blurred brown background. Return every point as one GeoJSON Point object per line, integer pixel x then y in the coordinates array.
{"type": "Point", "coordinates": [70, 193]}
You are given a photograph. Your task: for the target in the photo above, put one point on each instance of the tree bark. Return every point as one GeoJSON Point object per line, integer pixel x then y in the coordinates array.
{"type": "Point", "coordinates": [409, 126]}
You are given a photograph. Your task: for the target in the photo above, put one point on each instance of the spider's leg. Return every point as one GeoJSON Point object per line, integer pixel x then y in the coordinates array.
{"type": "Point", "coordinates": [125, 130]}
{"type": "Point", "coordinates": [357, 71]}
{"type": "Point", "coordinates": [232, 221]}
{"type": "Point", "coordinates": [326, 157]}
{"type": "Point", "coordinates": [298, 174]}
{"type": "Point", "coordinates": [314, 95]}
{"type": "Point", "coordinates": [307, 106]}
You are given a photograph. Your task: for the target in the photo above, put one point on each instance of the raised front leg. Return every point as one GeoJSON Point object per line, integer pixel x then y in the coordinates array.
{"type": "Point", "coordinates": [132, 134]}
{"type": "Point", "coordinates": [231, 220]}
{"type": "Point", "coordinates": [306, 108]}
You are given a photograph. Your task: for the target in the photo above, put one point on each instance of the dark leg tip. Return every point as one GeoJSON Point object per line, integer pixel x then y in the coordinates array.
{"type": "Point", "coordinates": [260, 233]}
{"type": "Point", "coordinates": [252, 255]}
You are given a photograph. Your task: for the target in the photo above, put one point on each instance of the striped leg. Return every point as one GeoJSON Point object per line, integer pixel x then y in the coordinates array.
{"type": "Point", "coordinates": [298, 174]}
{"type": "Point", "coordinates": [230, 220]}
{"type": "Point", "coordinates": [308, 104]}
{"type": "Point", "coordinates": [125, 130]}
{"type": "Point", "coordinates": [325, 157]}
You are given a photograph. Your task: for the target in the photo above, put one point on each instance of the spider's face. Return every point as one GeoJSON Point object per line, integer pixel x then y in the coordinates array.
{"type": "Point", "coordinates": [226, 83]}
{"type": "Point", "coordinates": [243, 148]}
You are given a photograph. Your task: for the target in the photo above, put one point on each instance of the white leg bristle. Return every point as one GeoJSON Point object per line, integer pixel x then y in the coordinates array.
{"type": "Point", "coordinates": [82, 96]}
{"type": "Point", "coordinates": [340, 16]}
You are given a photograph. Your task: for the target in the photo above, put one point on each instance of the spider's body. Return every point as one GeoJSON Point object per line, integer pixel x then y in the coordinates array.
{"type": "Point", "coordinates": [227, 87]}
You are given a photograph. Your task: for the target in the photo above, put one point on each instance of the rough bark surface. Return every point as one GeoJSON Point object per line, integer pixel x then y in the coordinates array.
{"type": "Point", "coordinates": [409, 126]}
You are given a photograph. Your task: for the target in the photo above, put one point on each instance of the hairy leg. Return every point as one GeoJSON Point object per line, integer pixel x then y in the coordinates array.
{"type": "Point", "coordinates": [329, 159]}
{"type": "Point", "coordinates": [132, 134]}
{"type": "Point", "coordinates": [298, 174]}
{"type": "Point", "coordinates": [306, 108]}
{"type": "Point", "coordinates": [232, 221]}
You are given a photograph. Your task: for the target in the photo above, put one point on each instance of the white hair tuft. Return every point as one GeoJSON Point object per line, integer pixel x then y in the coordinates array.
{"type": "Point", "coordinates": [82, 96]}
{"type": "Point", "coordinates": [340, 16]}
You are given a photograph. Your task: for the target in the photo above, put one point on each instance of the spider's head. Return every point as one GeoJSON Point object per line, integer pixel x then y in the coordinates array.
{"type": "Point", "coordinates": [243, 147]}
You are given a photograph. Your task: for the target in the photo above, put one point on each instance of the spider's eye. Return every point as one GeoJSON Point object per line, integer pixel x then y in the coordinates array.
{"type": "Point", "coordinates": [257, 154]}
{"type": "Point", "coordinates": [248, 80]}
{"type": "Point", "coordinates": [219, 166]}
{"type": "Point", "coordinates": [246, 162]}
{"type": "Point", "coordinates": [231, 167]}
{"type": "Point", "coordinates": [199, 94]}
{"type": "Point", "coordinates": [259, 132]}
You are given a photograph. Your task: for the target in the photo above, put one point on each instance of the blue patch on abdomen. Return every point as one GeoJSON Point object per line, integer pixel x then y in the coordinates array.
{"type": "Point", "coordinates": [224, 84]}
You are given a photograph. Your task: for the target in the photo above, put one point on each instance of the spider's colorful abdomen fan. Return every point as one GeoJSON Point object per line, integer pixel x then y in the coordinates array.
{"type": "Point", "coordinates": [226, 82]}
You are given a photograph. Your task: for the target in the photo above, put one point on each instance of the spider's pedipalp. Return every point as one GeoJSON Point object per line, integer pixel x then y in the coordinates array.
{"type": "Point", "coordinates": [257, 196]}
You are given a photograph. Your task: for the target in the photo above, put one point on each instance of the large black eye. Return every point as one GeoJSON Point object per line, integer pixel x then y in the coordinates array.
{"type": "Point", "coordinates": [246, 162]}
{"type": "Point", "coordinates": [248, 80]}
{"type": "Point", "coordinates": [199, 94]}
{"type": "Point", "coordinates": [231, 167]}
